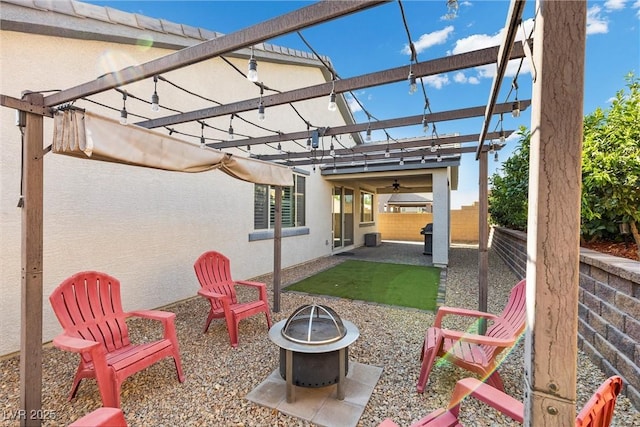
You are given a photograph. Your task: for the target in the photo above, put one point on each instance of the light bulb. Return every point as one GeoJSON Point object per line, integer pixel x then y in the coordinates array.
{"type": "Point", "coordinates": [252, 75]}
{"type": "Point", "coordinates": [202, 143]}
{"type": "Point", "coordinates": [309, 144]}
{"type": "Point", "coordinates": [501, 134]}
{"type": "Point", "coordinates": [368, 135]}
{"type": "Point", "coordinates": [495, 157]}
{"type": "Point", "coordinates": [280, 148]}
{"type": "Point", "coordinates": [423, 161]}
{"type": "Point", "coordinates": [439, 158]}
{"type": "Point", "coordinates": [401, 161]}
{"type": "Point", "coordinates": [261, 111]}
{"type": "Point", "coordinates": [386, 153]}
{"type": "Point", "coordinates": [433, 148]}
{"type": "Point", "coordinates": [413, 87]}
{"type": "Point", "coordinates": [515, 109]}
{"type": "Point", "coordinates": [491, 149]}
{"type": "Point", "coordinates": [332, 152]}
{"type": "Point", "coordinates": [230, 132]}
{"type": "Point", "coordinates": [123, 116]}
{"type": "Point", "coordinates": [335, 170]}
{"type": "Point", "coordinates": [332, 102]}
{"type": "Point", "coordinates": [154, 102]}
{"type": "Point", "coordinates": [425, 125]}
{"type": "Point", "coordinates": [366, 167]}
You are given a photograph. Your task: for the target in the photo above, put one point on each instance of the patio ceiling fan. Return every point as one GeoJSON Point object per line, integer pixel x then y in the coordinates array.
{"type": "Point", "coordinates": [396, 186]}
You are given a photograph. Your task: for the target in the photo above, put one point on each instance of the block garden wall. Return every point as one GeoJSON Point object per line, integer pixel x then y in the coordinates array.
{"type": "Point", "coordinates": [608, 307]}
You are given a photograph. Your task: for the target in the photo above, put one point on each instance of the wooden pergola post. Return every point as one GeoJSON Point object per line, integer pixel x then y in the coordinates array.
{"type": "Point", "coordinates": [277, 250]}
{"type": "Point", "coordinates": [483, 243]}
{"type": "Point", "coordinates": [31, 295]}
{"type": "Point", "coordinates": [554, 213]}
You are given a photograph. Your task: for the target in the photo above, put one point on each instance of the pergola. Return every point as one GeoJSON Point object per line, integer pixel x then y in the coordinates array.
{"type": "Point", "coordinates": [557, 56]}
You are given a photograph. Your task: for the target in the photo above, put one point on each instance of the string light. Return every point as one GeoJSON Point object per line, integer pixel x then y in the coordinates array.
{"type": "Point", "coordinates": [425, 125]}
{"type": "Point", "coordinates": [492, 149]}
{"type": "Point", "coordinates": [501, 134]}
{"type": "Point", "coordinates": [433, 146]}
{"type": "Point", "coordinates": [413, 87]}
{"type": "Point", "coordinates": [386, 152]}
{"type": "Point", "coordinates": [280, 148]}
{"type": "Point", "coordinates": [515, 107]}
{"type": "Point", "coordinates": [495, 157]}
{"type": "Point", "coordinates": [123, 112]}
{"type": "Point", "coordinates": [261, 105]}
{"type": "Point", "coordinates": [439, 159]}
{"type": "Point", "coordinates": [332, 152]}
{"type": "Point", "coordinates": [332, 98]}
{"type": "Point", "coordinates": [401, 163]}
{"type": "Point", "coordinates": [231, 127]}
{"type": "Point", "coordinates": [155, 99]}
{"type": "Point", "coordinates": [252, 74]}
{"type": "Point", "coordinates": [423, 161]}
{"type": "Point", "coordinates": [366, 167]}
{"type": "Point", "coordinates": [202, 140]}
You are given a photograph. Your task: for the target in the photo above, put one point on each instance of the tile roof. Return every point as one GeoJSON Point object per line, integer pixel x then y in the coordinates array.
{"type": "Point", "coordinates": [103, 14]}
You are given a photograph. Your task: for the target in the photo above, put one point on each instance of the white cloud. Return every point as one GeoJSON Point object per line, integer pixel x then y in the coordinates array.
{"type": "Point", "coordinates": [459, 77]}
{"type": "Point", "coordinates": [430, 39]}
{"type": "Point", "coordinates": [614, 4]}
{"type": "Point", "coordinates": [636, 5]}
{"type": "Point", "coordinates": [481, 41]}
{"type": "Point", "coordinates": [596, 24]}
{"type": "Point", "coordinates": [437, 81]}
{"type": "Point", "coordinates": [352, 103]}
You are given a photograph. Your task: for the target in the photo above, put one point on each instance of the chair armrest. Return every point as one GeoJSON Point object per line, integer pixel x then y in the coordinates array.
{"type": "Point", "coordinates": [493, 397]}
{"type": "Point", "coordinates": [162, 316]}
{"type": "Point", "coordinates": [74, 344]}
{"type": "Point", "coordinates": [213, 295]}
{"type": "Point", "coordinates": [444, 310]}
{"type": "Point", "coordinates": [479, 339]}
{"type": "Point", "coordinates": [250, 283]}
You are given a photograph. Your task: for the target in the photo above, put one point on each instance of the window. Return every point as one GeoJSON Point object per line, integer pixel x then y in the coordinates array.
{"type": "Point", "coordinates": [293, 205]}
{"type": "Point", "coordinates": [366, 207]}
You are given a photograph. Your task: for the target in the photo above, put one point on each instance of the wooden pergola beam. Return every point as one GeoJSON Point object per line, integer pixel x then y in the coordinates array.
{"type": "Point", "coordinates": [359, 150]}
{"type": "Point", "coordinates": [514, 16]}
{"type": "Point", "coordinates": [442, 116]}
{"type": "Point", "coordinates": [298, 19]}
{"type": "Point", "coordinates": [447, 64]}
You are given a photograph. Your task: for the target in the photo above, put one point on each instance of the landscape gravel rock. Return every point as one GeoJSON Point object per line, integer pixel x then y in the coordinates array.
{"type": "Point", "coordinates": [218, 377]}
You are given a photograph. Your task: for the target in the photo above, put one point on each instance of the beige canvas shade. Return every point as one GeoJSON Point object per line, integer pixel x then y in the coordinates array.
{"type": "Point", "coordinates": [86, 135]}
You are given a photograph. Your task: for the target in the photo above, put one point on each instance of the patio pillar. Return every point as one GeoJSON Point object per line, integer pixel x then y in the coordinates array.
{"type": "Point", "coordinates": [277, 250]}
{"type": "Point", "coordinates": [31, 298]}
{"type": "Point", "coordinates": [441, 209]}
{"type": "Point", "coordinates": [554, 213]}
{"type": "Point", "coordinates": [483, 240]}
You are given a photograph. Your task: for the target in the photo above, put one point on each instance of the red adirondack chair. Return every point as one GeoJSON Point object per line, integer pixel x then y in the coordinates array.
{"type": "Point", "coordinates": [102, 417]}
{"type": "Point", "coordinates": [597, 412]}
{"type": "Point", "coordinates": [214, 274]}
{"type": "Point", "coordinates": [89, 308]}
{"type": "Point", "coordinates": [475, 353]}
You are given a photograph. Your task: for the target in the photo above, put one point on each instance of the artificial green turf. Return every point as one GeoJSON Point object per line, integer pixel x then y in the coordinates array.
{"type": "Point", "coordinates": [393, 284]}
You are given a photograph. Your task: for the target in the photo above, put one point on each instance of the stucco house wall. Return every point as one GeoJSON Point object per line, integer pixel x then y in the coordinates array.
{"type": "Point", "coordinates": [145, 227]}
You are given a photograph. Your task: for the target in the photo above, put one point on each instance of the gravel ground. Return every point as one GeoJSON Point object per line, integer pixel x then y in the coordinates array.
{"type": "Point", "coordinates": [218, 377]}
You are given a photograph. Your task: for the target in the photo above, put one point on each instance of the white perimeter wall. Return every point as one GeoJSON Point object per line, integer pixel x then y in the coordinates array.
{"type": "Point", "coordinates": [145, 227]}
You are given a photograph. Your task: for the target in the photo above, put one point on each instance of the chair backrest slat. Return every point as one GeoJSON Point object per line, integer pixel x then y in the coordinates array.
{"type": "Point", "coordinates": [598, 411]}
{"type": "Point", "coordinates": [214, 274]}
{"type": "Point", "coordinates": [88, 306]}
{"type": "Point", "coordinates": [512, 319]}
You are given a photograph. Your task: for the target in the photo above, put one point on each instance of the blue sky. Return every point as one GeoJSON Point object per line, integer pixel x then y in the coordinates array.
{"type": "Point", "coordinates": [376, 39]}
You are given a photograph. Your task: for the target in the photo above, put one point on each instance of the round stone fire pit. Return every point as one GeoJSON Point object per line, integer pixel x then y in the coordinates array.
{"type": "Point", "coordinates": [313, 345]}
